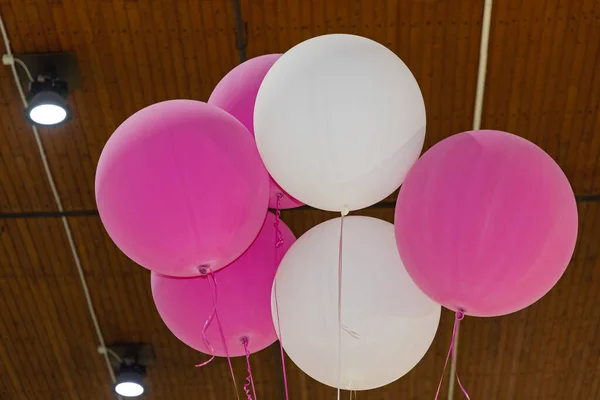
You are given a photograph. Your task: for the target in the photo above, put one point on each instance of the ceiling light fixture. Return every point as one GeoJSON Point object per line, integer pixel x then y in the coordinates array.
{"type": "Point", "coordinates": [46, 101]}
{"type": "Point", "coordinates": [130, 381]}
{"type": "Point", "coordinates": [129, 362]}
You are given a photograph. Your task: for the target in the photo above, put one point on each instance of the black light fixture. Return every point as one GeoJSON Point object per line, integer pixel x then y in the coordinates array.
{"type": "Point", "coordinates": [46, 101]}
{"type": "Point", "coordinates": [129, 362]}
{"type": "Point", "coordinates": [54, 74]}
{"type": "Point", "coordinates": [130, 380]}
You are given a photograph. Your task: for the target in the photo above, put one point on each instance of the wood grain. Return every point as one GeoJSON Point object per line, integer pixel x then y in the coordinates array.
{"type": "Point", "coordinates": [541, 84]}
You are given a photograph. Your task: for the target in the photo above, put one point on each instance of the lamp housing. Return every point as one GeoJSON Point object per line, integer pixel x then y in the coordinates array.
{"type": "Point", "coordinates": [130, 380]}
{"type": "Point", "coordinates": [46, 102]}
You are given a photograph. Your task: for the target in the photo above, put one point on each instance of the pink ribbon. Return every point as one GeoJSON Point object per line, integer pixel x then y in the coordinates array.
{"type": "Point", "coordinates": [212, 283]}
{"type": "Point", "coordinates": [459, 317]}
{"type": "Point", "coordinates": [278, 244]}
{"type": "Point", "coordinates": [279, 236]}
{"type": "Point", "coordinates": [205, 328]}
{"type": "Point", "coordinates": [249, 378]}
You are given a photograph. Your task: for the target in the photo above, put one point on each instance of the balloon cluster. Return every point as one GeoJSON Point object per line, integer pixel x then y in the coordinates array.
{"type": "Point", "coordinates": [485, 222]}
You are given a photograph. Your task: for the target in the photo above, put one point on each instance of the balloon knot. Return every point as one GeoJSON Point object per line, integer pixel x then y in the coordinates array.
{"type": "Point", "coordinates": [460, 315]}
{"type": "Point", "coordinates": [345, 211]}
{"type": "Point", "coordinates": [204, 269]}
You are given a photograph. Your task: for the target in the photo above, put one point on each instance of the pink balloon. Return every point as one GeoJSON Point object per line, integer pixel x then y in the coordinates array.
{"type": "Point", "coordinates": [486, 222]}
{"type": "Point", "coordinates": [243, 302]}
{"type": "Point", "coordinates": [236, 94]}
{"type": "Point", "coordinates": [180, 184]}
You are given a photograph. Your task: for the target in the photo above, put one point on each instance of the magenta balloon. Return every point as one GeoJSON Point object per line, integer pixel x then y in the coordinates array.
{"type": "Point", "coordinates": [243, 302]}
{"type": "Point", "coordinates": [486, 222]}
{"type": "Point", "coordinates": [236, 94]}
{"type": "Point", "coordinates": [180, 184]}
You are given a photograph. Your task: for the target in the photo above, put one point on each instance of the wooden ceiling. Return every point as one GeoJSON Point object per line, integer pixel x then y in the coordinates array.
{"type": "Point", "coordinates": [542, 83]}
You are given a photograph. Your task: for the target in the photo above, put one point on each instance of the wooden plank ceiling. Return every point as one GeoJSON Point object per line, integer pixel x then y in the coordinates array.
{"type": "Point", "coordinates": [541, 84]}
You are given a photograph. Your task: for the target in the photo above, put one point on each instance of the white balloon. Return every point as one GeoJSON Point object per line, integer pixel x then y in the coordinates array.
{"type": "Point", "coordinates": [339, 120]}
{"type": "Point", "coordinates": [388, 322]}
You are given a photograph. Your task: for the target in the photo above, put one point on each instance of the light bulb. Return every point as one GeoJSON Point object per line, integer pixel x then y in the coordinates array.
{"type": "Point", "coordinates": [47, 114]}
{"type": "Point", "coordinates": [129, 389]}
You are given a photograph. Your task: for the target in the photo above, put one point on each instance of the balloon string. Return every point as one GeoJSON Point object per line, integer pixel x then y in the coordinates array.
{"type": "Point", "coordinates": [279, 243]}
{"type": "Point", "coordinates": [279, 237]}
{"type": "Point", "coordinates": [205, 328]}
{"type": "Point", "coordinates": [459, 317]}
{"type": "Point", "coordinates": [212, 283]}
{"type": "Point", "coordinates": [339, 316]}
{"type": "Point", "coordinates": [249, 378]}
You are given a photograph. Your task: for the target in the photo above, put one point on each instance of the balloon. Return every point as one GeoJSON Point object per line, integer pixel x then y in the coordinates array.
{"type": "Point", "coordinates": [243, 298]}
{"type": "Point", "coordinates": [486, 223]}
{"type": "Point", "coordinates": [388, 322]}
{"type": "Point", "coordinates": [339, 121]}
{"type": "Point", "coordinates": [180, 184]}
{"type": "Point", "coordinates": [236, 94]}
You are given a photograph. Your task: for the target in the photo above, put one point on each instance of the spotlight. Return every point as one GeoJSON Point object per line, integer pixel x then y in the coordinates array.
{"type": "Point", "coordinates": [130, 381]}
{"type": "Point", "coordinates": [46, 100]}
{"type": "Point", "coordinates": [54, 74]}
{"type": "Point", "coordinates": [129, 362]}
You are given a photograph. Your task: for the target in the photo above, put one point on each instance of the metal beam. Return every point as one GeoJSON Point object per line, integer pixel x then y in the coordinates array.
{"type": "Point", "coordinates": [586, 198]}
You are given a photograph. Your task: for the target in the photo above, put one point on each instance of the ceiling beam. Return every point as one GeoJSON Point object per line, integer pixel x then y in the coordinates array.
{"type": "Point", "coordinates": [582, 198]}
{"type": "Point", "coordinates": [241, 31]}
